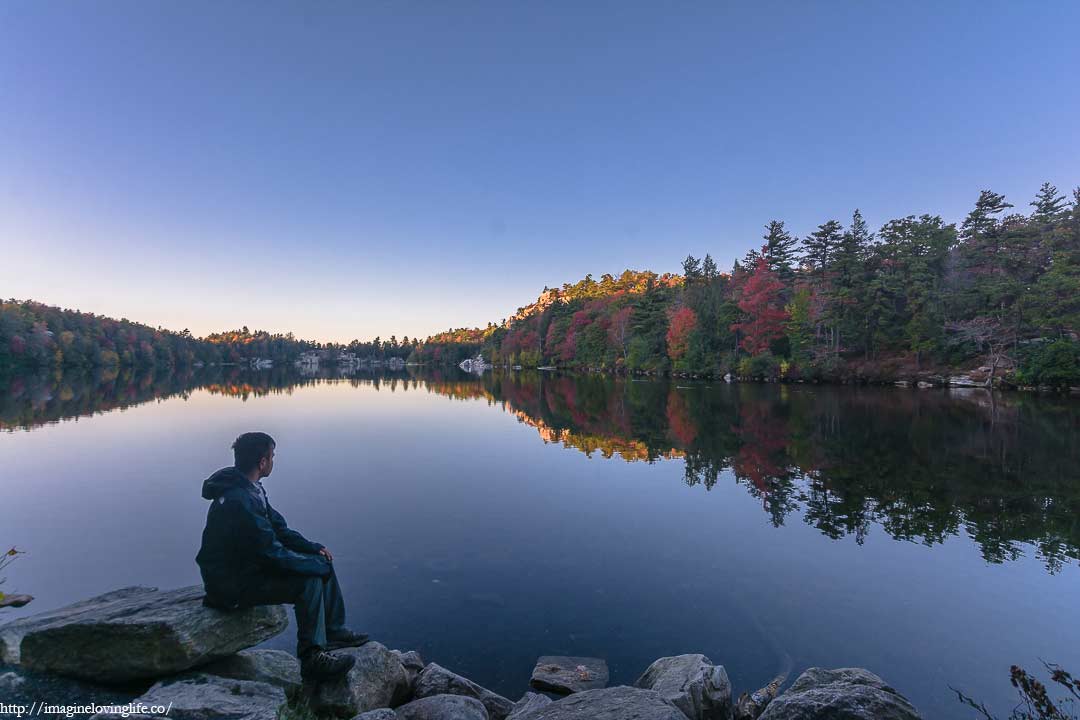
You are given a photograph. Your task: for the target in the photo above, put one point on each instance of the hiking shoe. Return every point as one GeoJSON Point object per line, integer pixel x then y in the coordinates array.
{"type": "Point", "coordinates": [345, 638]}
{"type": "Point", "coordinates": [318, 664]}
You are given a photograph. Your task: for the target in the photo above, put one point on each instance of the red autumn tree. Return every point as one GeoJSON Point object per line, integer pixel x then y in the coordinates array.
{"type": "Point", "coordinates": [763, 307]}
{"type": "Point", "coordinates": [683, 322]}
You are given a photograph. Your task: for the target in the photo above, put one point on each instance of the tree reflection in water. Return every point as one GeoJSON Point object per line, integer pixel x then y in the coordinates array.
{"type": "Point", "coordinates": [922, 465]}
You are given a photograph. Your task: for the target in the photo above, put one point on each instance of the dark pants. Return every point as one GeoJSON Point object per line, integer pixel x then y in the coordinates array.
{"type": "Point", "coordinates": [317, 602]}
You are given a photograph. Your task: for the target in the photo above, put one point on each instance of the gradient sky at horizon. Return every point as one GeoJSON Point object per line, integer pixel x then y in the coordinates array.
{"type": "Point", "coordinates": [346, 170]}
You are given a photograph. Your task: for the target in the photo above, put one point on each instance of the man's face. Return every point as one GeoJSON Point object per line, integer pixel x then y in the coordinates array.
{"type": "Point", "coordinates": [266, 465]}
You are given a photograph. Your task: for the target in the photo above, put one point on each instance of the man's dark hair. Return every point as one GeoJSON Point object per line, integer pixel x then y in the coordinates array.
{"type": "Point", "coordinates": [250, 448]}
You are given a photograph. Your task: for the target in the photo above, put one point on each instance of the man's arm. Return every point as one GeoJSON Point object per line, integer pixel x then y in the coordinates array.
{"type": "Point", "coordinates": [289, 537]}
{"type": "Point", "coordinates": [262, 538]}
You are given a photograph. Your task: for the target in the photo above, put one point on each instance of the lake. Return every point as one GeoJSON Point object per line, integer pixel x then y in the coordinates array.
{"type": "Point", "coordinates": [930, 536]}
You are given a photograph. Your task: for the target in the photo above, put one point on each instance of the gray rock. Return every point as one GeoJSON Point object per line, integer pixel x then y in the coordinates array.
{"type": "Point", "coordinates": [12, 633]}
{"type": "Point", "coordinates": [562, 674]}
{"type": "Point", "coordinates": [376, 680]}
{"type": "Point", "coordinates": [9, 681]}
{"type": "Point", "coordinates": [697, 687]}
{"type": "Point", "coordinates": [276, 667]}
{"type": "Point", "coordinates": [617, 703]}
{"type": "Point", "coordinates": [209, 697]}
{"type": "Point", "coordinates": [380, 714]}
{"type": "Point", "coordinates": [411, 660]}
{"type": "Point", "coordinates": [437, 680]}
{"type": "Point", "coordinates": [529, 701]}
{"type": "Point", "coordinates": [413, 664]}
{"type": "Point", "coordinates": [144, 634]}
{"type": "Point", "coordinates": [443, 707]}
{"type": "Point", "coordinates": [843, 694]}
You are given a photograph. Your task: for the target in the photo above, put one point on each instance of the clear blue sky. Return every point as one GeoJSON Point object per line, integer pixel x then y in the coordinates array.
{"type": "Point", "coordinates": [367, 168]}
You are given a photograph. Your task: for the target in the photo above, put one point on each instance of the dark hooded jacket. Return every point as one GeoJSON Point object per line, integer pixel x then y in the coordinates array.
{"type": "Point", "coordinates": [246, 539]}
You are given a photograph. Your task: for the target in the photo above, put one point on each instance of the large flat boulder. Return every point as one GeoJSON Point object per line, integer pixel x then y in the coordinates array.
{"type": "Point", "coordinates": [376, 680]}
{"type": "Point", "coordinates": [144, 635]}
{"type": "Point", "coordinates": [443, 707]}
{"type": "Point", "coordinates": [564, 674]}
{"type": "Point", "coordinates": [697, 687]}
{"type": "Point", "coordinates": [12, 633]}
{"type": "Point", "coordinates": [843, 694]}
{"type": "Point", "coordinates": [437, 680]}
{"type": "Point", "coordinates": [209, 697]}
{"type": "Point", "coordinates": [617, 703]}
{"type": "Point", "coordinates": [276, 667]}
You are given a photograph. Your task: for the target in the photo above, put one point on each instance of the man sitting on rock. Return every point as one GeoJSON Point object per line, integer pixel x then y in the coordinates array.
{"type": "Point", "coordinates": [250, 556]}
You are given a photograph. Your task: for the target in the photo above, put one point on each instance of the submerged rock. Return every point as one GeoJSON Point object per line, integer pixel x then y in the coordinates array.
{"type": "Point", "coordinates": [276, 667]}
{"type": "Point", "coordinates": [562, 674]}
{"type": "Point", "coordinates": [141, 633]}
{"type": "Point", "coordinates": [12, 633]}
{"type": "Point", "coordinates": [693, 684]}
{"type": "Point", "coordinates": [443, 707]}
{"type": "Point", "coordinates": [376, 680]}
{"type": "Point", "coordinates": [209, 697]}
{"type": "Point", "coordinates": [437, 680]}
{"type": "Point", "coordinates": [617, 703]}
{"type": "Point", "coordinates": [843, 694]}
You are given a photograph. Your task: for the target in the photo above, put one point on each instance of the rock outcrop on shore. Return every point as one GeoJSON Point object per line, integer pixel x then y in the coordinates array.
{"type": "Point", "coordinates": [617, 703]}
{"type": "Point", "coordinates": [377, 679]}
{"type": "Point", "coordinates": [144, 633]}
{"type": "Point", "coordinates": [693, 684]}
{"type": "Point", "coordinates": [204, 696]}
{"type": "Point", "coordinates": [140, 634]}
{"type": "Point", "coordinates": [275, 667]}
{"type": "Point", "coordinates": [842, 694]}
{"type": "Point", "coordinates": [437, 680]}
{"type": "Point", "coordinates": [12, 633]}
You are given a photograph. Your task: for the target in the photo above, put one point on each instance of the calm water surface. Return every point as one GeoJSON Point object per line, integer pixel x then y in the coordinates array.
{"type": "Point", "coordinates": [930, 537]}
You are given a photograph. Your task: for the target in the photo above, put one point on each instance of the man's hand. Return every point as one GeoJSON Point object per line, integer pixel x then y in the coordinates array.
{"type": "Point", "coordinates": [327, 554]}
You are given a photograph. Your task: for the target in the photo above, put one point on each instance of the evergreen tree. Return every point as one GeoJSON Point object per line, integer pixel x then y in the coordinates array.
{"type": "Point", "coordinates": [1049, 204]}
{"type": "Point", "coordinates": [708, 268]}
{"type": "Point", "coordinates": [691, 269]}
{"type": "Point", "coordinates": [780, 250]}
{"type": "Point", "coordinates": [820, 246]}
{"type": "Point", "coordinates": [982, 220]}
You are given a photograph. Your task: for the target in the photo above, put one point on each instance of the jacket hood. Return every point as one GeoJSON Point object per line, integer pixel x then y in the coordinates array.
{"type": "Point", "coordinates": [221, 481]}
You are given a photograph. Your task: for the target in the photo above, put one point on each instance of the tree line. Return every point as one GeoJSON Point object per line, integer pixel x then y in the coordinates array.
{"type": "Point", "coordinates": [36, 336]}
{"type": "Point", "coordinates": [1001, 291]}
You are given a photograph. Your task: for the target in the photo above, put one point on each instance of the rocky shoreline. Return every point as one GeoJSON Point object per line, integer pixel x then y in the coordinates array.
{"type": "Point", "coordinates": [171, 652]}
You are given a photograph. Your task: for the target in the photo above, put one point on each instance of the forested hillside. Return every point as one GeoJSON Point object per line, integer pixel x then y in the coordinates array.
{"type": "Point", "coordinates": [34, 336]}
{"type": "Point", "coordinates": [1002, 291]}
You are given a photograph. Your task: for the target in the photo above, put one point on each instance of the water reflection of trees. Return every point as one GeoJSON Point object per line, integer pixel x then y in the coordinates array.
{"type": "Point", "coordinates": [921, 465]}
{"type": "Point", "coordinates": [28, 401]}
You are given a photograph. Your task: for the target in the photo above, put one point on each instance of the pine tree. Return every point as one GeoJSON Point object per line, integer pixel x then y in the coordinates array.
{"type": "Point", "coordinates": [849, 283]}
{"type": "Point", "coordinates": [708, 268]}
{"type": "Point", "coordinates": [820, 246]}
{"type": "Point", "coordinates": [780, 250]}
{"type": "Point", "coordinates": [691, 269]}
{"type": "Point", "coordinates": [1050, 206]}
{"type": "Point", "coordinates": [982, 221]}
